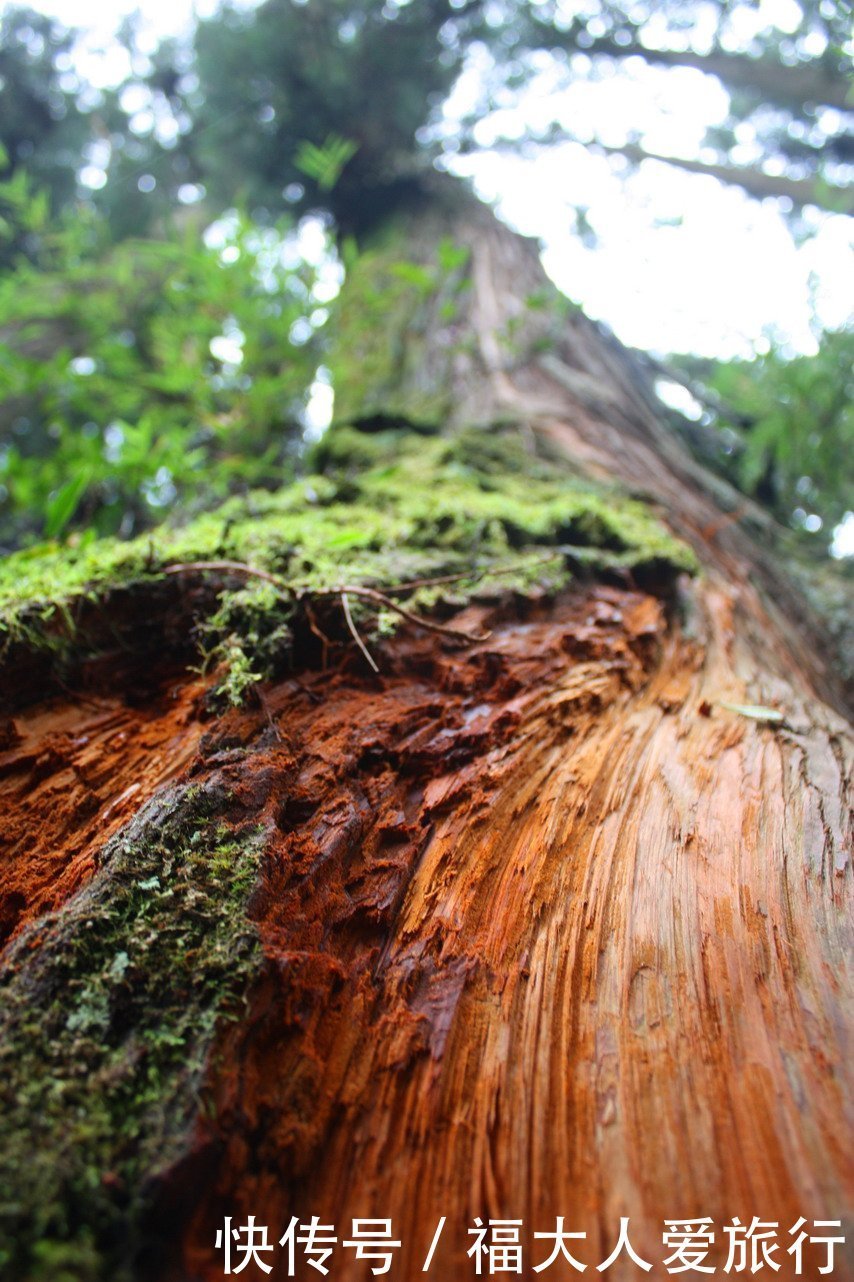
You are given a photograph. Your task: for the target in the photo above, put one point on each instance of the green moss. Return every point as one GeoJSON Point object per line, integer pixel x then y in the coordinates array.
{"type": "Point", "coordinates": [391, 507]}
{"type": "Point", "coordinates": [104, 1034]}
{"type": "Point", "coordinates": [386, 361]}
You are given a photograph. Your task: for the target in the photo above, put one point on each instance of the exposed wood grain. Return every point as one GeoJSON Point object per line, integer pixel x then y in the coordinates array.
{"type": "Point", "coordinates": [72, 771]}
{"type": "Point", "coordinates": [545, 938]}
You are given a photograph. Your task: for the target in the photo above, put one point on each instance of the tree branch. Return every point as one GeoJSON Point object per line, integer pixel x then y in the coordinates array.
{"type": "Point", "coordinates": [793, 87]}
{"type": "Point", "coordinates": [801, 191]}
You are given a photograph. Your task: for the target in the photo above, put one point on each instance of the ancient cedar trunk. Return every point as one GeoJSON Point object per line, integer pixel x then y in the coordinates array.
{"type": "Point", "coordinates": [545, 927]}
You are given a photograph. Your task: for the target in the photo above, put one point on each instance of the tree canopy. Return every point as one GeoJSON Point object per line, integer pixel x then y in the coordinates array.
{"type": "Point", "coordinates": [114, 308]}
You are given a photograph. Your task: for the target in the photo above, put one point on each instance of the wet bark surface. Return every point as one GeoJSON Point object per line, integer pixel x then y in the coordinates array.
{"type": "Point", "coordinates": [545, 930]}
{"type": "Point", "coordinates": [548, 932]}
{"type": "Point", "coordinates": [74, 769]}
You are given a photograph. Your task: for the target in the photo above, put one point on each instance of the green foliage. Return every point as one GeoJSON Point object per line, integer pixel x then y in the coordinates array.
{"type": "Point", "coordinates": [154, 373]}
{"type": "Point", "coordinates": [62, 505]}
{"type": "Point", "coordinates": [105, 1035]}
{"type": "Point", "coordinates": [784, 431]}
{"type": "Point", "coordinates": [270, 87]}
{"type": "Point", "coordinates": [283, 89]}
{"type": "Point", "coordinates": [23, 215]}
{"type": "Point", "coordinates": [115, 406]}
{"type": "Point", "coordinates": [256, 105]}
{"type": "Point", "coordinates": [324, 164]}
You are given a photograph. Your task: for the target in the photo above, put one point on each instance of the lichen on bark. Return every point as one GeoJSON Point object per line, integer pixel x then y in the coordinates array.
{"type": "Point", "coordinates": [108, 1010]}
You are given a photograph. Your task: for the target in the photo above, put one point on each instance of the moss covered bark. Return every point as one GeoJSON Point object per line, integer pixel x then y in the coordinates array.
{"type": "Point", "coordinates": [384, 509]}
{"type": "Point", "coordinates": [108, 1011]}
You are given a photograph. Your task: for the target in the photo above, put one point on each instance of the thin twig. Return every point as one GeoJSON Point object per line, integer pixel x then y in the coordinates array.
{"type": "Point", "coordinates": [316, 629]}
{"type": "Point", "coordinates": [304, 689]}
{"type": "Point", "coordinates": [368, 594]}
{"type": "Point", "coordinates": [262, 699]}
{"type": "Point", "coordinates": [351, 625]}
{"type": "Point", "coordinates": [380, 598]}
{"type": "Point", "coordinates": [240, 567]}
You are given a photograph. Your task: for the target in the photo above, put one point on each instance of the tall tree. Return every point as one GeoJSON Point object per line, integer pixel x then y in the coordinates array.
{"type": "Point", "coordinates": [533, 905]}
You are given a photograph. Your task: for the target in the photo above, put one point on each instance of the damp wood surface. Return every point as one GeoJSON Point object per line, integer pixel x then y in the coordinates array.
{"type": "Point", "coordinates": [73, 770]}
{"type": "Point", "coordinates": [545, 931]}
{"type": "Point", "coordinates": [548, 932]}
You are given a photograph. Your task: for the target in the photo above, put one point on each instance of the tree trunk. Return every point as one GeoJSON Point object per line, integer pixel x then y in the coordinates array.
{"type": "Point", "coordinates": [547, 929]}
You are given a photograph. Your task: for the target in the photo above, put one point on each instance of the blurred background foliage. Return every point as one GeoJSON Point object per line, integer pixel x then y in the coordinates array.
{"type": "Point", "coordinates": [146, 374]}
{"type": "Point", "coordinates": [159, 347]}
{"type": "Point", "coordinates": [781, 428]}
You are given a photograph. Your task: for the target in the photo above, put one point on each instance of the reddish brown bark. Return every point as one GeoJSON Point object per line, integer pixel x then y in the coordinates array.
{"type": "Point", "coordinates": [609, 975]}
{"type": "Point", "coordinates": [73, 770]}
{"type": "Point", "coordinates": [545, 937]}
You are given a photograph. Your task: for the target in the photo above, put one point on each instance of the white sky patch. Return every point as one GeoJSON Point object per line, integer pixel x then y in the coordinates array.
{"type": "Point", "coordinates": [679, 398]}
{"type": "Point", "coordinates": [318, 411]}
{"type": "Point", "coordinates": [843, 537]}
{"type": "Point", "coordinates": [228, 348]}
{"type": "Point", "coordinates": [715, 276]}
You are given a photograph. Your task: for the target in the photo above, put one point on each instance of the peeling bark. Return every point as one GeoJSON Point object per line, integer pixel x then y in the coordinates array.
{"type": "Point", "coordinates": [553, 942]}
{"type": "Point", "coordinates": [72, 772]}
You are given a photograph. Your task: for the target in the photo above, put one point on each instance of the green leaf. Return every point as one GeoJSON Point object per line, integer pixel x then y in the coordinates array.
{"type": "Point", "coordinates": [324, 164]}
{"type": "Point", "coordinates": [451, 256]}
{"type": "Point", "coordinates": [63, 505]}
{"type": "Point", "coordinates": [414, 274]}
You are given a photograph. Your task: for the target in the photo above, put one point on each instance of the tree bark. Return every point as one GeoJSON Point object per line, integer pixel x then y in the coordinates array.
{"type": "Point", "coordinates": [547, 928]}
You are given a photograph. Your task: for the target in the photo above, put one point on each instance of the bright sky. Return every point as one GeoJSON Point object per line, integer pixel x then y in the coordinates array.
{"type": "Point", "coordinates": [680, 263]}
